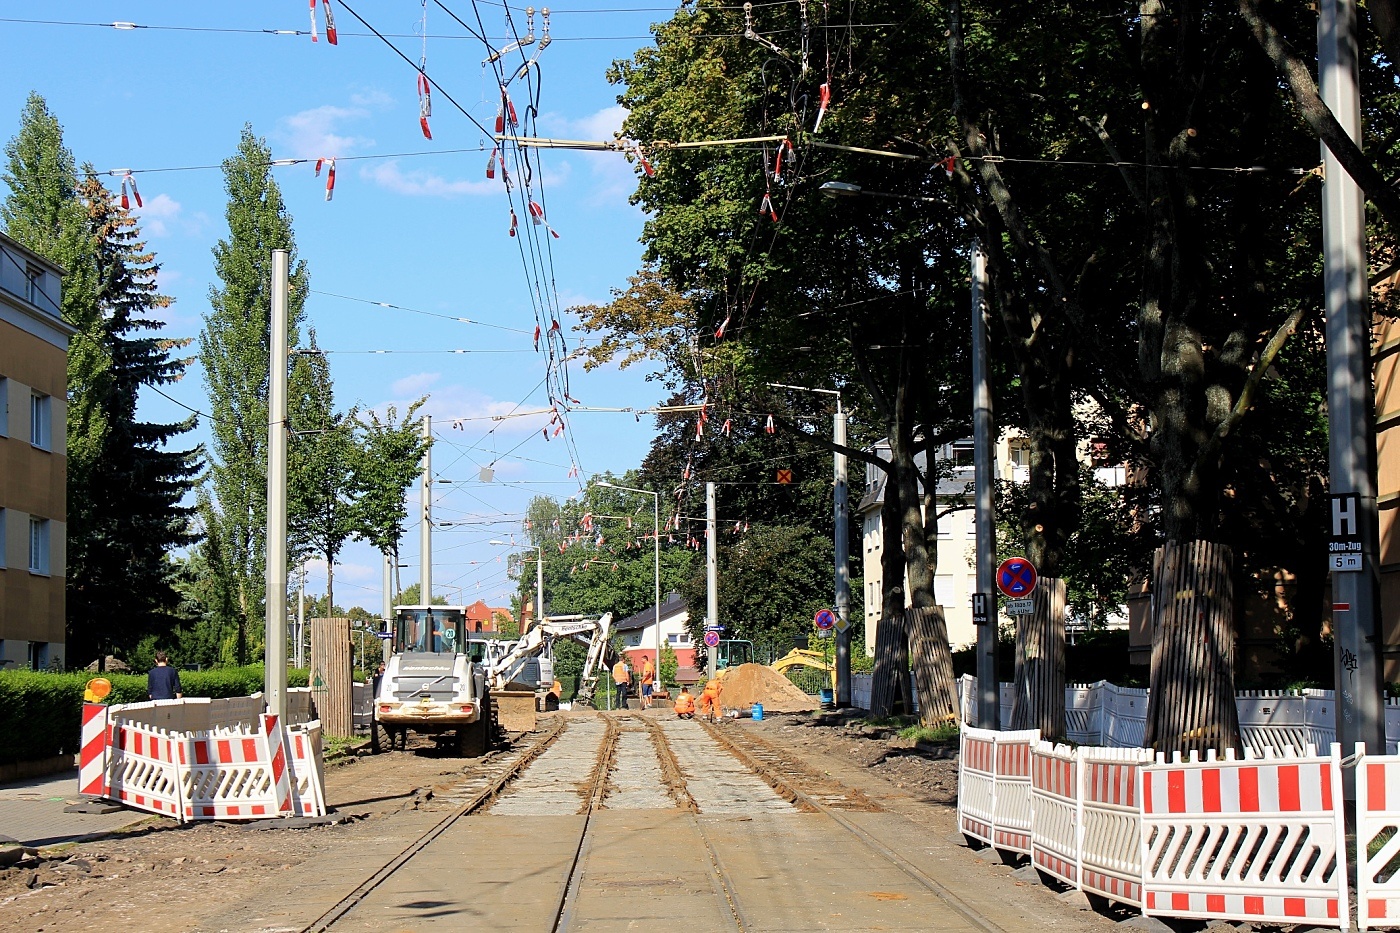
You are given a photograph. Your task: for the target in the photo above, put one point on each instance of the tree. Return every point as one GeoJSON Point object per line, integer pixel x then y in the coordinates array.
{"type": "Point", "coordinates": [322, 464]}
{"type": "Point", "coordinates": [390, 462]}
{"type": "Point", "coordinates": [233, 351]}
{"type": "Point", "coordinates": [120, 575]}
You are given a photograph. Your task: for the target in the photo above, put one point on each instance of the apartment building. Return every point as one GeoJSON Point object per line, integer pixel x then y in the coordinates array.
{"type": "Point", "coordinates": [33, 462]}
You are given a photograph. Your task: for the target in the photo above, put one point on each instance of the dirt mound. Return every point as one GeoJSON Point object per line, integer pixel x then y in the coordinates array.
{"type": "Point", "coordinates": [748, 684]}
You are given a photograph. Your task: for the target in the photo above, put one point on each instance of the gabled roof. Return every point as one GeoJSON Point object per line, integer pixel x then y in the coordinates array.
{"type": "Point", "coordinates": [673, 605]}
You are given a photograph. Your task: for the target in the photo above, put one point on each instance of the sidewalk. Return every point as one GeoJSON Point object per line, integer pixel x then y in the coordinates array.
{"type": "Point", "coordinates": [31, 812]}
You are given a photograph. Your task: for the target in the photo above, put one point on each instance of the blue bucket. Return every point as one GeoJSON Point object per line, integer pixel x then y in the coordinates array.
{"type": "Point", "coordinates": [758, 711]}
{"type": "Point", "coordinates": [828, 698]}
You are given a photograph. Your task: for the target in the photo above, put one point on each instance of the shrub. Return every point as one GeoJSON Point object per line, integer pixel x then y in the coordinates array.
{"type": "Point", "coordinates": [41, 712]}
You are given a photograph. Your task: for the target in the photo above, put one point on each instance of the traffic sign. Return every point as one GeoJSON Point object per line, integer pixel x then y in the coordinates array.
{"type": "Point", "coordinates": [981, 608]}
{"type": "Point", "coordinates": [842, 624]}
{"type": "Point", "coordinates": [711, 638]}
{"type": "Point", "coordinates": [784, 477]}
{"type": "Point", "coordinates": [1020, 607]}
{"type": "Point", "coordinates": [1016, 577]}
{"type": "Point", "coordinates": [825, 619]}
{"type": "Point", "coordinates": [1344, 550]}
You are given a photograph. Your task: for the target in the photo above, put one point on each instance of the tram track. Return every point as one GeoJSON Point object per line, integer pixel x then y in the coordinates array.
{"type": "Point", "coordinates": [478, 800]}
{"type": "Point", "coordinates": [761, 758]}
{"type": "Point", "coordinates": [596, 792]}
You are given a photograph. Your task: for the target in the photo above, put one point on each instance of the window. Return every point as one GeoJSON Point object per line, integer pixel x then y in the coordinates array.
{"type": "Point", "coordinates": [962, 454]}
{"type": "Point", "coordinates": [39, 420]}
{"type": "Point", "coordinates": [39, 545]}
{"type": "Point", "coordinates": [33, 284]}
{"type": "Point", "coordinates": [1020, 455]}
{"type": "Point", "coordinates": [679, 638]}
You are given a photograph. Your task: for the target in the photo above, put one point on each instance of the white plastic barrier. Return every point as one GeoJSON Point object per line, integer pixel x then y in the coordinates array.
{"type": "Point", "coordinates": [144, 772]}
{"type": "Point", "coordinates": [1124, 716]}
{"type": "Point", "coordinates": [93, 751]}
{"type": "Point", "coordinates": [1253, 839]}
{"type": "Point", "coordinates": [1111, 858]}
{"type": "Point", "coordinates": [228, 775]}
{"type": "Point", "coordinates": [1377, 840]}
{"type": "Point", "coordinates": [307, 769]}
{"type": "Point", "coordinates": [998, 805]}
{"type": "Point", "coordinates": [1273, 719]}
{"type": "Point", "coordinates": [1057, 811]}
{"type": "Point", "coordinates": [1084, 713]}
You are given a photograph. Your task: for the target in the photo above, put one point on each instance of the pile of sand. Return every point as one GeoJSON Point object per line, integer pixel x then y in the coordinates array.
{"type": "Point", "coordinates": [748, 684]}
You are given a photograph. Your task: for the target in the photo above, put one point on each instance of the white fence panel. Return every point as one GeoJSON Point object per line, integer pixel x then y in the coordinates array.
{"type": "Point", "coordinates": [1274, 720]}
{"type": "Point", "coordinates": [144, 771]}
{"type": "Point", "coordinates": [1377, 840]}
{"type": "Point", "coordinates": [1057, 804]}
{"type": "Point", "coordinates": [1084, 713]}
{"type": "Point", "coordinates": [1124, 716]}
{"type": "Point", "coordinates": [1252, 839]}
{"type": "Point", "coordinates": [977, 754]}
{"type": "Point", "coordinates": [1111, 859]}
{"type": "Point", "coordinates": [1011, 829]}
{"type": "Point", "coordinates": [860, 691]}
{"type": "Point", "coordinates": [1320, 712]}
{"type": "Point", "coordinates": [228, 775]}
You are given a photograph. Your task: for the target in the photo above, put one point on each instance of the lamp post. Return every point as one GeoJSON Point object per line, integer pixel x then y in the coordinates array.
{"type": "Point", "coordinates": [842, 547]}
{"type": "Point", "coordinates": [987, 707]}
{"type": "Point", "coordinates": [539, 582]}
{"type": "Point", "coordinates": [656, 554]}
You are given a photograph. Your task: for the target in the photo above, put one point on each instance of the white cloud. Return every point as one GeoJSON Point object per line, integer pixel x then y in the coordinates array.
{"type": "Point", "coordinates": [603, 124]}
{"type": "Point", "coordinates": [467, 412]}
{"type": "Point", "coordinates": [373, 98]}
{"type": "Point", "coordinates": [318, 132]}
{"type": "Point", "coordinates": [419, 183]}
{"type": "Point", "coordinates": [157, 213]}
{"type": "Point", "coordinates": [613, 175]}
{"type": "Point", "coordinates": [414, 385]}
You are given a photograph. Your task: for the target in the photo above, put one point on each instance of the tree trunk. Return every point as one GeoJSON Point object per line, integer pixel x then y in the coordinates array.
{"type": "Point", "coordinates": [933, 665]}
{"type": "Point", "coordinates": [1040, 663]}
{"type": "Point", "coordinates": [1192, 703]}
{"type": "Point", "coordinates": [330, 585]}
{"type": "Point", "coordinates": [890, 679]}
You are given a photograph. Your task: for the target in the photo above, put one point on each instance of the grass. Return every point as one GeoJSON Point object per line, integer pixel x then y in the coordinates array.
{"type": "Point", "coordinates": [338, 746]}
{"type": "Point", "coordinates": [935, 734]}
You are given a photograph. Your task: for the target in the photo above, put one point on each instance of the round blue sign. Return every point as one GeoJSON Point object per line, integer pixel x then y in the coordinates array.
{"type": "Point", "coordinates": [825, 619]}
{"type": "Point", "coordinates": [1016, 577]}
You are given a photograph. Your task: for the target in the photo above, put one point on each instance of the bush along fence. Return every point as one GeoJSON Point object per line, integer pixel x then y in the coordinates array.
{"type": "Point", "coordinates": [252, 766]}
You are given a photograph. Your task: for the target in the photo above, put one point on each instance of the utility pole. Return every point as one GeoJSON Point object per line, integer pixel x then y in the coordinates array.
{"type": "Point", "coordinates": [388, 608]}
{"type": "Point", "coordinates": [711, 577]}
{"type": "Point", "coordinates": [301, 617]}
{"type": "Point", "coordinates": [843, 564]}
{"type": "Point", "coordinates": [539, 586]}
{"type": "Point", "coordinates": [275, 619]}
{"type": "Point", "coordinates": [1350, 402]}
{"type": "Point", "coordinates": [425, 530]}
{"type": "Point", "coordinates": [988, 689]}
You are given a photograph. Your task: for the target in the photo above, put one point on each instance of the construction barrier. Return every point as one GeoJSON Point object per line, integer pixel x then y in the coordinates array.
{"type": "Point", "coordinates": [1252, 839]}
{"type": "Point", "coordinates": [144, 771]}
{"type": "Point", "coordinates": [998, 806]}
{"type": "Point", "coordinates": [1057, 811]}
{"type": "Point", "coordinates": [1111, 857]}
{"type": "Point", "coordinates": [225, 773]}
{"type": "Point", "coordinates": [1377, 840]}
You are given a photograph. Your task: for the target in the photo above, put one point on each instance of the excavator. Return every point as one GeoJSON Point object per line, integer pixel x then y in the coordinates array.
{"type": "Point", "coordinates": [512, 667]}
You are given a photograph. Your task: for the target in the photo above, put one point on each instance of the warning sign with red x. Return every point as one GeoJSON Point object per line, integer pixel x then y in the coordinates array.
{"type": "Point", "coordinates": [784, 477]}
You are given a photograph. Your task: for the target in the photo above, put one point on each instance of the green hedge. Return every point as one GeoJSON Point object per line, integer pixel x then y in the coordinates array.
{"type": "Point", "coordinates": [41, 713]}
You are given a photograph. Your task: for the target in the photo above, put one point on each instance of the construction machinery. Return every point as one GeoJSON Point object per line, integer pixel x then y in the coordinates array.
{"type": "Point", "coordinates": [520, 673]}
{"type": "Point", "coordinates": [431, 685]}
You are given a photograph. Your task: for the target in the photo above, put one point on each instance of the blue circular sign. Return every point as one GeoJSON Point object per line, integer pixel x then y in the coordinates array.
{"type": "Point", "coordinates": [711, 638]}
{"type": "Point", "coordinates": [1016, 577]}
{"type": "Point", "coordinates": [825, 619]}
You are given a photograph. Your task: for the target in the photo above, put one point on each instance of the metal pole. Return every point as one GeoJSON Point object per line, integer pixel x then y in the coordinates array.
{"type": "Point", "coordinates": [388, 604]}
{"type": "Point", "coordinates": [425, 529]}
{"type": "Point", "coordinates": [711, 576]}
{"type": "Point", "coordinates": [656, 556]}
{"type": "Point", "coordinates": [275, 620]}
{"type": "Point", "coordinates": [1350, 402]}
{"type": "Point", "coordinates": [539, 585]}
{"type": "Point", "coordinates": [301, 618]}
{"type": "Point", "coordinates": [843, 565]}
{"type": "Point", "coordinates": [988, 689]}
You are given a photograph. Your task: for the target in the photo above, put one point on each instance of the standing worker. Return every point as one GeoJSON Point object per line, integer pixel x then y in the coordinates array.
{"type": "Point", "coordinates": [163, 682]}
{"type": "Point", "coordinates": [709, 700]}
{"type": "Point", "coordinates": [623, 678]}
{"type": "Point", "coordinates": [685, 704]}
{"type": "Point", "coordinates": [648, 679]}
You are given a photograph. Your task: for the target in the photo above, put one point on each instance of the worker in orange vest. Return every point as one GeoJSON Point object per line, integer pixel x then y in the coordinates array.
{"type": "Point", "coordinates": [648, 678]}
{"type": "Point", "coordinates": [709, 700]}
{"type": "Point", "coordinates": [685, 704]}
{"type": "Point", "coordinates": [623, 678]}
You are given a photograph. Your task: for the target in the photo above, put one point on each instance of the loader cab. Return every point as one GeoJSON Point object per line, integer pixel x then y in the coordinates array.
{"type": "Point", "coordinates": [430, 629]}
{"type": "Point", "coordinates": [734, 651]}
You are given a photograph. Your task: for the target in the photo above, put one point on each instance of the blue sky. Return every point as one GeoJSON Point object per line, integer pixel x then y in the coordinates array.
{"type": "Point", "coordinates": [427, 232]}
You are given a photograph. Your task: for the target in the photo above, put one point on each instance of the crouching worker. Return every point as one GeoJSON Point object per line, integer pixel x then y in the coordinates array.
{"type": "Point", "coordinates": [685, 704]}
{"type": "Point", "coordinates": [709, 700]}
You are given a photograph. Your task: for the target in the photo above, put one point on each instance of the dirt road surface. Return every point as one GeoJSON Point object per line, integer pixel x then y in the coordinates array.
{"type": "Point", "coordinates": [625, 821]}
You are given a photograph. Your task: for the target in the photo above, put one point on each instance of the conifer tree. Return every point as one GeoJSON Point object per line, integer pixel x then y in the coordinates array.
{"type": "Point", "coordinates": [233, 350]}
{"type": "Point", "coordinates": [120, 571]}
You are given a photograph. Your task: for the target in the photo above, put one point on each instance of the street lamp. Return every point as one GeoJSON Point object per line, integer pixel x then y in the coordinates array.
{"type": "Point", "coordinates": [988, 700]}
{"type": "Point", "coordinates": [539, 582]}
{"type": "Point", "coordinates": [842, 545]}
{"type": "Point", "coordinates": [656, 553]}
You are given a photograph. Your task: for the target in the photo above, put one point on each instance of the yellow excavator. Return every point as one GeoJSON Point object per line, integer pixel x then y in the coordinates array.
{"type": "Point", "coordinates": [804, 657]}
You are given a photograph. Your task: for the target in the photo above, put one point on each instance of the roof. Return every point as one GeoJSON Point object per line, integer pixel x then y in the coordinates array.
{"type": "Point", "coordinates": [674, 605]}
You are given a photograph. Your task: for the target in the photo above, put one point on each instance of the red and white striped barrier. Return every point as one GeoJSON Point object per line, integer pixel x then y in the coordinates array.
{"type": "Point", "coordinates": [1252, 839]}
{"type": "Point", "coordinates": [1377, 816]}
{"type": "Point", "coordinates": [228, 775]}
{"type": "Point", "coordinates": [92, 751]}
{"type": "Point", "coordinates": [1057, 811]}
{"type": "Point", "coordinates": [307, 792]}
{"type": "Point", "coordinates": [994, 799]}
{"type": "Point", "coordinates": [1111, 857]}
{"type": "Point", "coordinates": [145, 771]}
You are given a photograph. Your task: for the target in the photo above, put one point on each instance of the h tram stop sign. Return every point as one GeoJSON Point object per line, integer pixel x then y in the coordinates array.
{"type": "Point", "coordinates": [1016, 578]}
{"type": "Point", "coordinates": [1344, 549]}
